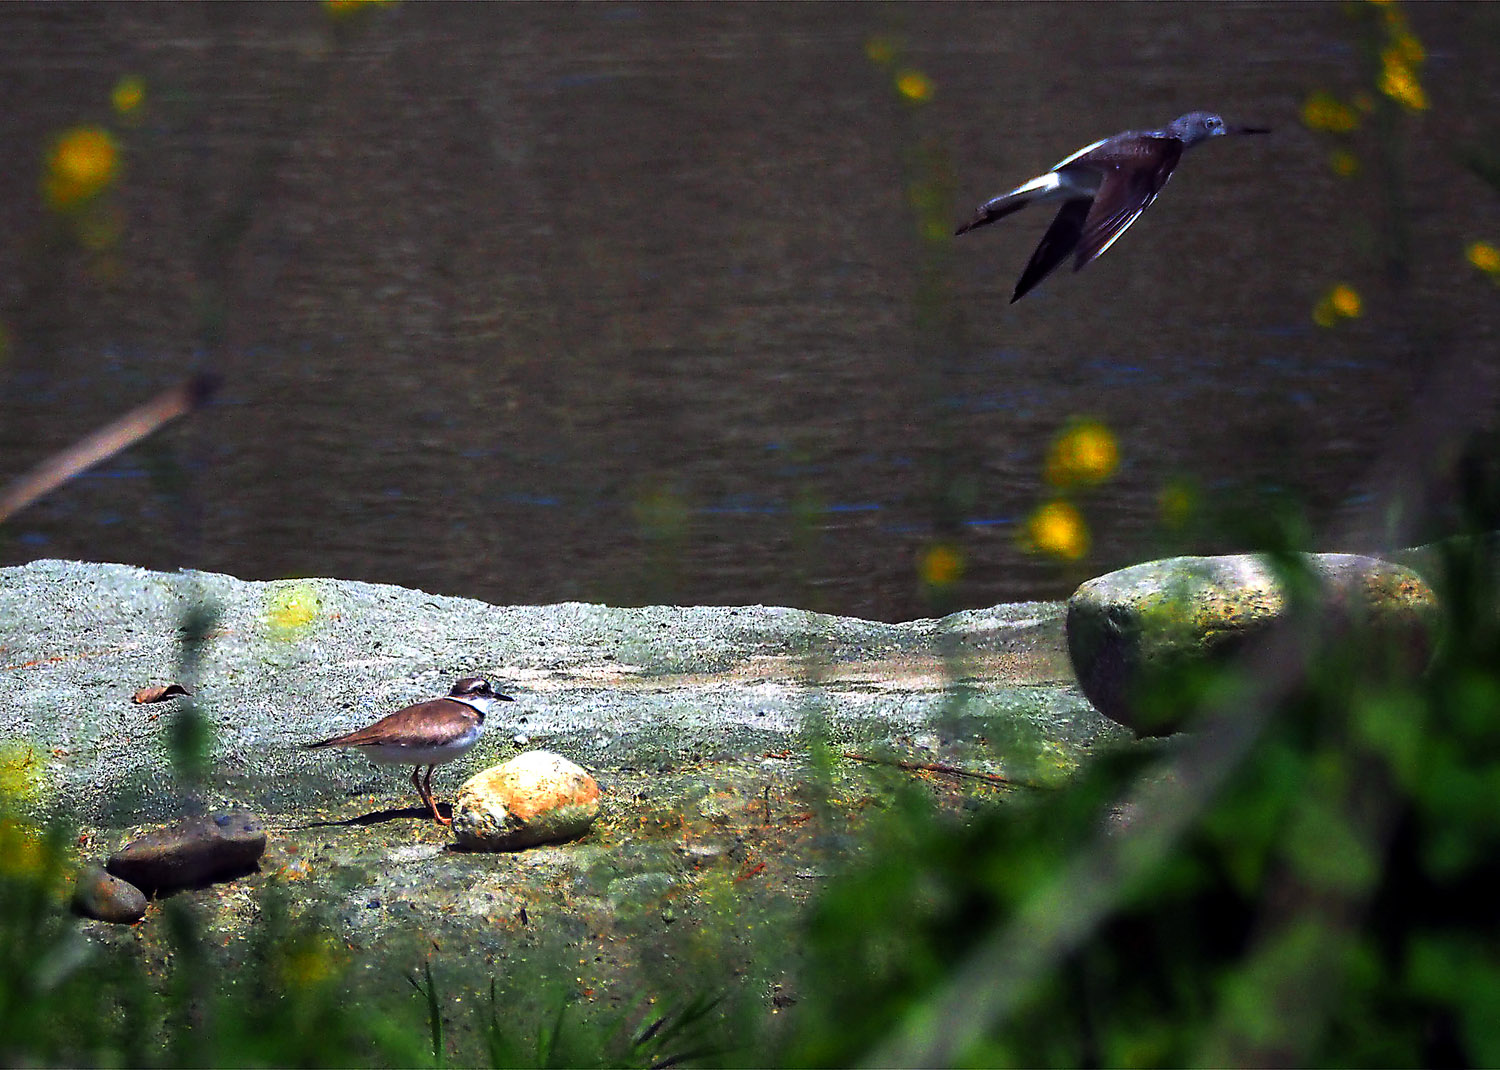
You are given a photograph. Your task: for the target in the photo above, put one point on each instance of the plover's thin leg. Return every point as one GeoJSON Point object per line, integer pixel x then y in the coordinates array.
{"type": "Point", "coordinates": [427, 785]}
{"type": "Point", "coordinates": [425, 794]}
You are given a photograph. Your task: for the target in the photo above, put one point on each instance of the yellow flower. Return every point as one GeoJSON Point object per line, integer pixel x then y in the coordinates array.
{"type": "Point", "coordinates": [1058, 530]}
{"type": "Point", "coordinates": [1341, 302]}
{"type": "Point", "coordinates": [1324, 111]}
{"type": "Point", "coordinates": [292, 610]}
{"type": "Point", "coordinates": [942, 564]}
{"type": "Point", "coordinates": [128, 95]}
{"type": "Point", "coordinates": [1083, 455]}
{"type": "Point", "coordinates": [81, 163]}
{"type": "Point", "coordinates": [1484, 256]}
{"type": "Point", "coordinates": [914, 85]}
{"type": "Point", "coordinates": [1399, 82]}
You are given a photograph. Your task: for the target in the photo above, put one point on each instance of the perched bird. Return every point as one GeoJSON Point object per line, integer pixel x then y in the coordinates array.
{"type": "Point", "coordinates": [1103, 187]}
{"type": "Point", "coordinates": [427, 733]}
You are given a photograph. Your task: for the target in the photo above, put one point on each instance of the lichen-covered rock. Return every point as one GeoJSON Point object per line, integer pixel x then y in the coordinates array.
{"type": "Point", "coordinates": [536, 797]}
{"type": "Point", "coordinates": [194, 851]}
{"type": "Point", "coordinates": [105, 897]}
{"type": "Point", "coordinates": [1195, 610]}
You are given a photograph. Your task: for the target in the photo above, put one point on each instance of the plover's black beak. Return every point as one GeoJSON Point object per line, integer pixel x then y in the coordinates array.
{"type": "Point", "coordinates": [1249, 129]}
{"type": "Point", "coordinates": [505, 698]}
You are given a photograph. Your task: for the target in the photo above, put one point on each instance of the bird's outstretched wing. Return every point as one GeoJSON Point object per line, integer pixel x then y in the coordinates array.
{"type": "Point", "coordinates": [1134, 173]}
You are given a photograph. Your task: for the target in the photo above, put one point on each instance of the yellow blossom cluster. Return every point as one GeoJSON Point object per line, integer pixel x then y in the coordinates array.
{"type": "Point", "coordinates": [1401, 61]}
{"type": "Point", "coordinates": [1083, 455]}
{"type": "Point", "coordinates": [83, 163]}
{"type": "Point", "coordinates": [1401, 58]}
{"type": "Point", "coordinates": [128, 96]}
{"type": "Point", "coordinates": [344, 8]}
{"type": "Point", "coordinates": [912, 85]}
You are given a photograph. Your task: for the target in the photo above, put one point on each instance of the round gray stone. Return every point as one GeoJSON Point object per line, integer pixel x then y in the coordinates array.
{"type": "Point", "coordinates": [100, 895]}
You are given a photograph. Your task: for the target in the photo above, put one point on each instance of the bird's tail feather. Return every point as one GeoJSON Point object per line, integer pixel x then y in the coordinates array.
{"type": "Point", "coordinates": [990, 211]}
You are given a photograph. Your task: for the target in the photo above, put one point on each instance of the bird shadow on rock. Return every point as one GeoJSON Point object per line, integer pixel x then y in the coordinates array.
{"type": "Point", "coordinates": [380, 817]}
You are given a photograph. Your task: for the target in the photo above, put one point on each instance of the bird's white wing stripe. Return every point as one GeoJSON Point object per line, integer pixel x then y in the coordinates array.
{"type": "Point", "coordinates": [1041, 184]}
{"type": "Point", "coordinates": [1081, 152]}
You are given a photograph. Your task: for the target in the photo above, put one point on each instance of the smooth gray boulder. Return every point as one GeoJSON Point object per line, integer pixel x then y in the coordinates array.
{"type": "Point", "coordinates": [1185, 611]}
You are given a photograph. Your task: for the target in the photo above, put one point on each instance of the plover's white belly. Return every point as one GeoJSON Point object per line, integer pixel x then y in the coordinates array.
{"type": "Point", "coordinates": [392, 754]}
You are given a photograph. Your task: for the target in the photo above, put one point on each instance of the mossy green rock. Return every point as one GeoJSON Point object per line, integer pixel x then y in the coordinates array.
{"type": "Point", "coordinates": [1186, 611]}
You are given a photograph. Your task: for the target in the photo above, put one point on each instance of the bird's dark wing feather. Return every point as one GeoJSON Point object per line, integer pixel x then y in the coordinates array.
{"type": "Point", "coordinates": [1055, 247]}
{"type": "Point", "coordinates": [1134, 174]}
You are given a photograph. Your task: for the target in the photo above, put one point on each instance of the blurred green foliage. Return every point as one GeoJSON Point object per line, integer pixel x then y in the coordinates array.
{"type": "Point", "coordinates": [1326, 904]}
{"type": "Point", "coordinates": [68, 999]}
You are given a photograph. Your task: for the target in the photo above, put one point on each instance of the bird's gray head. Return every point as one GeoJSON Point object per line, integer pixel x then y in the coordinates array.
{"type": "Point", "coordinates": [1198, 126]}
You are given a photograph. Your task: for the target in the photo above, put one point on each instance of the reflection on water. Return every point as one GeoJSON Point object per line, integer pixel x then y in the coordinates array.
{"type": "Point", "coordinates": [624, 303]}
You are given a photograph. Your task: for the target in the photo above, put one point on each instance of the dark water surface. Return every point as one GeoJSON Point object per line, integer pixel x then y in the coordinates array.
{"type": "Point", "coordinates": [628, 302]}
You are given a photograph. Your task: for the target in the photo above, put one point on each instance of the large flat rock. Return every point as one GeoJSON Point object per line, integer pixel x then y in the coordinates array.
{"type": "Point", "coordinates": [616, 689]}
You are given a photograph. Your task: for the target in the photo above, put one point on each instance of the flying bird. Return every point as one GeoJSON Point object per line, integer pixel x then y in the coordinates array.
{"type": "Point", "coordinates": [1103, 188]}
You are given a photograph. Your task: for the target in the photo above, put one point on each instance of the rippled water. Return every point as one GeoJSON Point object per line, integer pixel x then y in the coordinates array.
{"type": "Point", "coordinates": [629, 303]}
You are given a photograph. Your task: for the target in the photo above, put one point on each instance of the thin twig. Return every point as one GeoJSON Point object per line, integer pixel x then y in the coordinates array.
{"type": "Point", "coordinates": [107, 441]}
{"type": "Point", "coordinates": [930, 767]}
